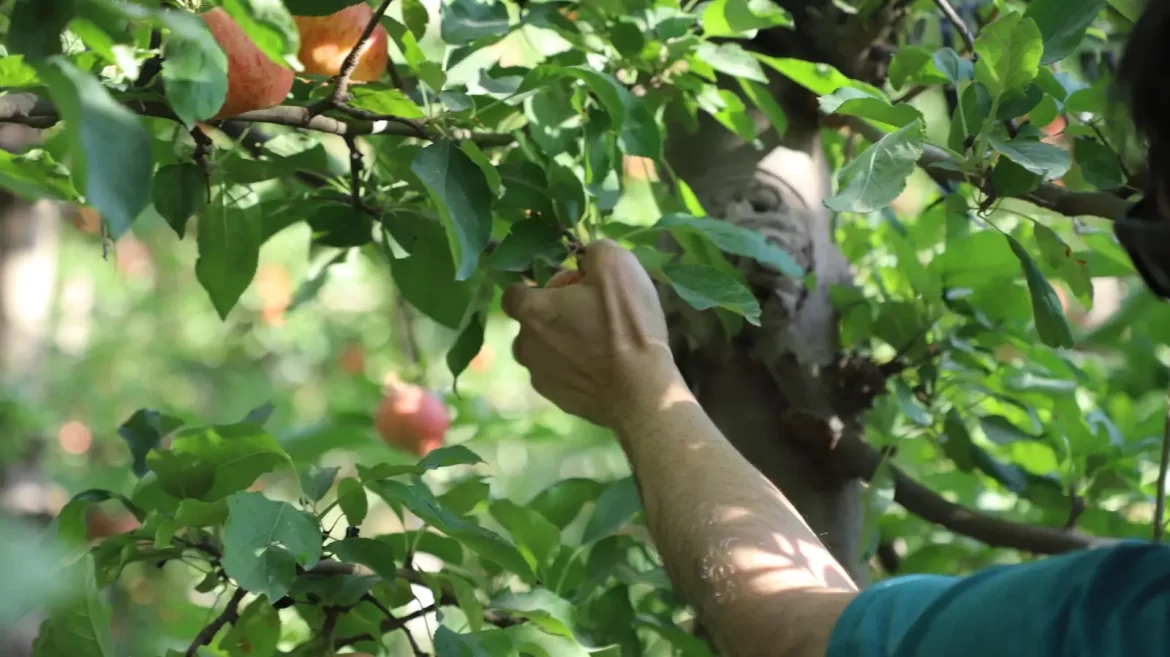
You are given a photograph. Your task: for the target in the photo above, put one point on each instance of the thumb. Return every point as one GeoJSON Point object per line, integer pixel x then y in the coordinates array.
{"type": "Point", "coordinates": [524, 304]}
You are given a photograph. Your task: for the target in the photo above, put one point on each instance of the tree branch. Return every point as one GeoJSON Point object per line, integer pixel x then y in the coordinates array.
{"type": "Point", "coordinates": [229, 614]}
{"type": "Point", "coordinates": [31, 110]}
{"type": "Point", "coordinates": [1163, 472]}
{"type": "Point", "coordinates": [414, 647]}
{"type": "Point", "coordinates": [957, 21]}
{"type": "Point", "coordinates": [855, 458]}
{"type": "Point", "coordinates": [1047, 195]}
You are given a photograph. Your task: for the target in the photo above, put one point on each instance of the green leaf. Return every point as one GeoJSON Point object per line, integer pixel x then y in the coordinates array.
{"type": "Point", "coordinates": [877, 176]}
{"type": "Point", "coordinates": [269, 24]}
{"type": "Point", "coordinates": [213, 462]}
{"type": "Point", "coordinates": [763, 99]}
{"type": "Point", "coordinates": [351, 497]}
{"type": "Point", "coordinates": [491, 174]}
{"type": "Point", "coordinates": [179, 193]}
{"type": "Point", "coordinates": [194, 74]}
{"type": "Point", "coordinates": [102, 131]}
{"type": "Point", "coordinates": [340, 225]}
{"type": "Point", "coordinates": [913, 62]}
{"type": "Point", "coordinates": [561, 502]}
{"type": "Point", "coordinates": [466, 21]}
{"type": "Point", "coordinates": [615, 508]}
{"type": "Point", "coordinates": [70, 525]}
{"type": "Point", "coordinates": [263, 542]}
{"type": "Point", "coordinates": [332, 590]}
{"type": "Point", "coordinates": [79, 627]}
{"type": "Point", "coordinates": [143, 432]}
{"type": "Point", "coordinates": [728, 109]}
{"type": "Point", "coordinates": [1099, 164]}
{"type": "Point", "coordinates": [730, 58]}
{"type": "Point", "coordinates": [735, 240]}
{"type": "Point", "coordinates": [1059, 256]}
{"type": "Point", "coordinates": [956, 442]}
{"type": "Point", "coordinates": [876, 500]}
{"type": "Point", "coordinates": [1002, 431]}
{"type": "Point", "coordinates": [195, 513]}
{"type": "Point", "coordinates": [468, 603]}
{"type": "Point", "coordinates": [451, 455]}
{"type": "Point", "coordinates": [422, 503]}
{"type": "Point", "coordinates": [858, 102]}
{"type": "Point", "coordinates": [568, 194]}
{"type": "Point", "coordinates": [461, 192]}
{"type": "Point", "coordinates": [464, 497]}
{"type": "Point", "coordinates": [545, 609]}
{"type": "Point", "coordinates": [31, 570]}
{"type": "Point", "coordinates": [1009, 53]}
{"type": "Point", "coordinates": [1062, 24]}
{"type": "Point", "coordinates": [372, 554]}
{"type": "Point", "coordinates": [1046, 160]}
{"type": "Point", "coordinates": [427, 278]}
{"type": "Point", "coordinates": [34, 175]}
{"type": "Point", "coordinates": [529, 529]}
{"type": "Point", "coordinates": [414, 13]}
{"type": "Point", "coordinates": [741, 19]}
{"type": "Point", "coordinates": [1011, 179]}
{"type": "Point", "coordinates": [975, 260]}
{"type": "Point", "coordinates": [382, 98]}
{"type": "Point", "coordinates": [14, 72]}
{"type": "Point", "coordinates": [530, 241]}
{"type": "Point", "coordinates": [36, 25]}
{"type": "Point", "coordinates": [955, 68]}
{"type": "Point", "coordinates": [229, 239]}
{"type": "Point", "coordinates": [1051, 323]}
{"type": "Point", "coordinates": [705, 287]}
{"type": "Point", "coordinates": [488, 643]}
{"type": "Point", "coordinates": [821, 79]}
{"type": "Point", "coordinates": [466, 346]}
{"type": "Point", "coordinates": [316, 481]}
{"type": "Point", "coordinates": [255, 633]}
{"type": "Point", "coordinates": [318, 7]}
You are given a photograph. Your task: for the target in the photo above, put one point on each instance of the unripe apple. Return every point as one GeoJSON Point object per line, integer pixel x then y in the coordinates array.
{"type": "Point", "coordinates": [103, 525]}
{"type": "Point", "coordinates": [327, 40]}
{"type": "Point", "coordinates": [254, 81]}
{"type": "Point", "coordinates": [411, 418]}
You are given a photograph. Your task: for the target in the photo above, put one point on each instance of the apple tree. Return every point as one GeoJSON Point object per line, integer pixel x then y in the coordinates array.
{"type": "Point", "coordinates": [881, 231]}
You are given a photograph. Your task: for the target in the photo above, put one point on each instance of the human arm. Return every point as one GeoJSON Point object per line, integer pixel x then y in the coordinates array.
{"type": "Point", "coordinates": [734, 546]}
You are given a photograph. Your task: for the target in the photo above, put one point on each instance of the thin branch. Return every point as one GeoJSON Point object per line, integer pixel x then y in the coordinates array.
{"type": "Point", "coordinates": [414, 647]}
{"type": "Point", "coordinates": [855, 458]}
{"type": "Point", "coordinates": [387, 626]}
{"type": "Point", "coordinates": [355, 172]}
{"type": "Point", "coordinates": [1163, 472]}
{"type": "Point", "coordinates": [329, 628]}
{"type": "Point", "coordinates": [341, 90]}
{"type": "Point", "coordinates": [229, 614]}
{"type": "Point", "coordinates": [31, 110]}
{"type": "Point", "coordinates": [959, 23]}
{"type": "Point", "coordinates": [910, 94]}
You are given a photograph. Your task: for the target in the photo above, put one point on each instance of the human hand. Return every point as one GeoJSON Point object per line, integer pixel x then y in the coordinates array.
{"type": "Point", "coordinates": [595, 342]}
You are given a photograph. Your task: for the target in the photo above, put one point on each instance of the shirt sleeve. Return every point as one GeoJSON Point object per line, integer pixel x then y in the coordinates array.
{"type": "Point", "coordinates": [1107, 602]}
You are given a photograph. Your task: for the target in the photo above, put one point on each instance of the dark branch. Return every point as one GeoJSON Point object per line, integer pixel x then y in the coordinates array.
{"type": "Point", "coordinates": [355, 172]}
{"type": "Point", "coordinates": [1160, 491]}
{"type": "Point", "coordinates": [390, 617]}
{"type": "Point", "coordinates": [960, 25]}
{"type": "Point", "coordinates": [229, 614]}
{"type": "Point", "coordinates": [854, 458]}
{"type": "Point", "coordinates": [341, 90]}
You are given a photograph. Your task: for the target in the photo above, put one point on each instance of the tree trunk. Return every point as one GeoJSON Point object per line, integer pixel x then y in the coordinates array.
{"type": "Point", "coordinates": [774, 389]}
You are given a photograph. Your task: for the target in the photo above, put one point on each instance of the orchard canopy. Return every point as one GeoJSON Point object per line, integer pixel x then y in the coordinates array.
{"type": "Point", "coordinates": [275, 231]}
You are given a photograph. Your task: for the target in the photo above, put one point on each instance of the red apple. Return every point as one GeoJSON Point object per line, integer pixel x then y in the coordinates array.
{"type": "Point", "coordinates": [327, 40]}
{"type": "Point", "coordinates": [411, 418]}
{"type": "Point", "coordinates": [254, 81]}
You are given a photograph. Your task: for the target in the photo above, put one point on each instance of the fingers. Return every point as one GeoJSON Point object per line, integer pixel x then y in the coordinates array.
{"type": "Point", "coordinates": [525, 304]}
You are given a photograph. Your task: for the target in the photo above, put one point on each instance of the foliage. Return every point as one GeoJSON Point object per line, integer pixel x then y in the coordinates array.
{"type": "Point", "coordinates": [512, 140]}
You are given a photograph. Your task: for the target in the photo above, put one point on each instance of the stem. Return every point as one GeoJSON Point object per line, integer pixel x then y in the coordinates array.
{"type": "Point", "coordinates": [229, 614]}
{"type": "Point", "coordinates": [960, 25]}
{"type": "Point", "coordinates": [341, 91]}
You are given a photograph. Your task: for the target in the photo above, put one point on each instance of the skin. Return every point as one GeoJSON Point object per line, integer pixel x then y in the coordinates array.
{"type": "Point", "coordinates": [595, 344]}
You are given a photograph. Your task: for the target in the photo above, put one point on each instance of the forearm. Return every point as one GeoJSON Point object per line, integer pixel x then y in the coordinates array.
{"type": "Point", "coordinates": [735, 547]}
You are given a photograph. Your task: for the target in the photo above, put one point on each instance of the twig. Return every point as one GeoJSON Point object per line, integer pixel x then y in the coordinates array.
{"type": "Point", "coordinates": [349, 65]}
{"type": "Point", "coordinates": [960, 25]}
{"type": "Point", "coordinates": [365, 115]}
{"type": "Point", "coordinates": [355, 172]}
{"type": "Point", "coordinates": [910, 94]}
{"type": "Point", "coordinates": [1163, 472]}
{"type": "Point", "coordinates": [229, 614]}
{"type": "Point", "coordinates": [386, 627]}
{"type": "Point", "coordinates": [151, 67]}
{"type": "Point", "coordinates": [414, 647]}
{"type": "Point", "coordinates": [328, 628]}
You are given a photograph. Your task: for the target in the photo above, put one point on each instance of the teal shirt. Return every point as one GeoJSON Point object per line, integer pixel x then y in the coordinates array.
{"type": "Point", "coordinates": [1108, 602]}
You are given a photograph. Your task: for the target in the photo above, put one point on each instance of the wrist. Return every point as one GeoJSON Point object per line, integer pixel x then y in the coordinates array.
{"type": "Point", "coordinates": [648, 382]}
